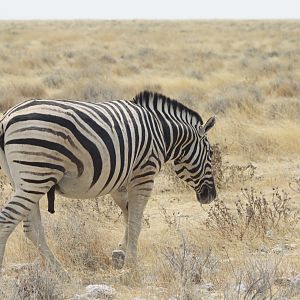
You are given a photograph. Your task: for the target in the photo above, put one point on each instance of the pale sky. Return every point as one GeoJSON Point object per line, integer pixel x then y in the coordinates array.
{"type": "Point", "coordinates": [149, 9]}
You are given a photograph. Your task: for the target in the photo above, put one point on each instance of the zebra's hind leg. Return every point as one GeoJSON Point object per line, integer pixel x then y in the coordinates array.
{"type": "Point", "coordinates": [34, 230]}
{"type": "Point", "coordinates": [16, 210]}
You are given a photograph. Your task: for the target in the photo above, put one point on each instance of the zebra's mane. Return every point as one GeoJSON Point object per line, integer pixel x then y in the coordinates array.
{"type": "Point", "coordinates": [145, 98]}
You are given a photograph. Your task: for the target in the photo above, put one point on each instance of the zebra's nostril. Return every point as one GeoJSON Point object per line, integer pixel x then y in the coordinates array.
{"type": "Point", "coordinates": [204, 192]}
{"type": "Point", "coordinates": [206, 195]}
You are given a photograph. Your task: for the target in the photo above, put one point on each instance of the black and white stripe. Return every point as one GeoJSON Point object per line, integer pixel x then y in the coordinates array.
{"type": "Point", "coordinates": [84, 150]}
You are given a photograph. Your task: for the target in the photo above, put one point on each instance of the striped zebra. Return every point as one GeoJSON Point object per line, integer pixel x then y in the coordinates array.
{"type": "Point", "coordinates": [84, 150]}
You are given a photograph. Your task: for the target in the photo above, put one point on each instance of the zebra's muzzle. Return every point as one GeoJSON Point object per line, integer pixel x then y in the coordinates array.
{"type": "Point", "coordinates": [206, 195]}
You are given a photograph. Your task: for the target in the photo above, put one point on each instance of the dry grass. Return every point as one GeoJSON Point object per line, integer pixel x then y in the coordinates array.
{"type": "Point", "coordinates": [248, 73]}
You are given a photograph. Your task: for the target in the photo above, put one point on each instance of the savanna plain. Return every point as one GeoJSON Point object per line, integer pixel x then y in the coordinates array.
{"type": "Point", "coordinates": [246, 244]}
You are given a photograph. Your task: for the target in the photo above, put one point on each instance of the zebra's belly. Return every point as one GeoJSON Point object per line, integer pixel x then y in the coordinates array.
{"type": "Point", "coordinates": [80, 188]}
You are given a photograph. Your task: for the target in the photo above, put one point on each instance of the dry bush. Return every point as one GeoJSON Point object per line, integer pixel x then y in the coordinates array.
{"type": "Point", "coordinates": [93, 92]}
{"type": "Point", "coordinates": [288, 109]}
{"type": "Point", "coordinates": [190, 98]}
{"type": "Point", "coordinates": [232, 174]}
{"type": "Point", "coordinates": [226, 174]}
{"type": "Point", "coordinates": [253, 215]}
{"type": "Point", "coordinates": [190, 265]}
{"type": "Point", "coordinates": [194, 273]}
{"type": "Point", "coordinates": [217, 164]}
{"type": "Point", "coordinates": [108, 59]}
{"type": "Point", "coordinates": [258, 278]}
{"type": "Point", "coordinates": [239, 97]}
{"type": "Point", "coordinates": [54, 81]}
{"type": "Point", "coordinates": [295, 184]}
{"type": "Point", "coordinates": [35, 283]}
{"type": "Point", "coordinates": [269, 67]}
{"type": "Point", "coordinates": [171, 219]}
{"type": "Point", "coordinates": [285, 86]}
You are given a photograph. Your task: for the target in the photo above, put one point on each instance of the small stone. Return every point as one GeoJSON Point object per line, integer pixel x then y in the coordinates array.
{"type": "Point", "coordinates": [100, 291]}
{"type": "Point", "coordinates": [207, 287]}
{"type": "Point", "coordinates": [150, 278]}
{"type": "Point", "coordinates": [79, 297]}
{"type": "Point", "coordinates": [263, 248]}
{"type": "Point", "coordinates": [241, 287]}
{"type": "Point", "coordinates": [278, 249]}
{"type": "Point", "coordinates": [269, 234]}
{"type": "Point", "coordinates": [296, 280]}
{"type": "Point", "coordinates": [290, 246]}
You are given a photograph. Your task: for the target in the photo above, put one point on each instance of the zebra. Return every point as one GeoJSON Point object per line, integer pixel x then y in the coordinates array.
{"type": "Point", "coordinates": [84, 150]}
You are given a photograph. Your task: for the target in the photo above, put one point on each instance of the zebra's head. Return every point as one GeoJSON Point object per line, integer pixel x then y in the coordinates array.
{"type": "Point", "coordinates": [194, 165]}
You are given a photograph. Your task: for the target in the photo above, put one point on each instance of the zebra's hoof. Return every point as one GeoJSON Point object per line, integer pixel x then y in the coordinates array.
{"type": "Point", "coordinates": [118, 258]}
{"type": "Point", "coordinates": [62, 274]}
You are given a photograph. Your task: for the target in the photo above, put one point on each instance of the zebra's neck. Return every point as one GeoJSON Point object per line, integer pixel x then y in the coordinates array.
{"type": "Point", "coordinates": [178, 123]}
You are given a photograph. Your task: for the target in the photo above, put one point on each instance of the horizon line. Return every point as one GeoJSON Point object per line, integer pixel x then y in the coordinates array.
{"type": "Point", "coordinates": [154, 19]}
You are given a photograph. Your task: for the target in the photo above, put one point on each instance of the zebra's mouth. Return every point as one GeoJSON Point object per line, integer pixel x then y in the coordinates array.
{"type": "Point", "coordinates": [206, 195]}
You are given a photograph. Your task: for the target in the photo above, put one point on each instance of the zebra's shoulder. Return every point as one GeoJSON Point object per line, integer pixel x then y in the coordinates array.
{"type": "Point", "coordinates": [149, 99]}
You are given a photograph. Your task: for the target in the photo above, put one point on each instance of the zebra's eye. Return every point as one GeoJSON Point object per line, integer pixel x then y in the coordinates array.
{"type": "Point", "coordinates": [184, 152]}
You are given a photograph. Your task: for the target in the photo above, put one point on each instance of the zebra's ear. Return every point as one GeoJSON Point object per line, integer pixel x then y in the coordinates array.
{"type": "Point", "coordinates": [208, 125]}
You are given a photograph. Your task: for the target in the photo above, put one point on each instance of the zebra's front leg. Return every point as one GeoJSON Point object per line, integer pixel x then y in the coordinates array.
{"type": "Point", "coordinates": [121, 199]}
{"type": "Point", "coordinates": [138, 198]}
{"type": "Point", "coordinates": [118, 256]}
{"type": "Point", "coordinates": [34, 230]}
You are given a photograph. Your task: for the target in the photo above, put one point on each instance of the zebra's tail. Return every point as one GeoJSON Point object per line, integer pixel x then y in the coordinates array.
{"type": "Point", "coordinates": [1, 136]}
{"type": "Point", "coordinates": [2, 154]}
